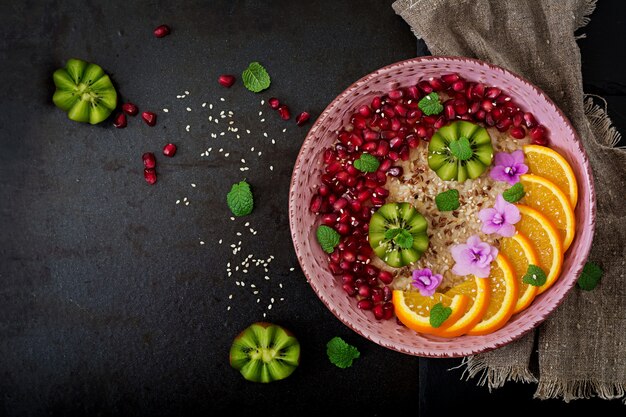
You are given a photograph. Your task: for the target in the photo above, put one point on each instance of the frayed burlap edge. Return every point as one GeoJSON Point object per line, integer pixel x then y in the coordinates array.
{"type": "Point", "coordinates": [476, 366]}
{"type": "Point", "coordinates": [578, 389]}
{"type": "Point", "coordinates": [600, 122]}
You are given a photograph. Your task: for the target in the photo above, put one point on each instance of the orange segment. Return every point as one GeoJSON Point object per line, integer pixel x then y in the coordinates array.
{"type": "Point", "coordinates": [549, 164]}
{"type": "Point", "coordinates": [546, 241]}
{"type": "Point", "coordinates": [413, 309]}
{"type": "Point", "coordinates": [546, 197]}
{"type": "Point", "coordinates": [478, 292]}
{"type": "Point", "coordinates": [502, 298]}
{"type": "Point", "coordinates": [519, 250]}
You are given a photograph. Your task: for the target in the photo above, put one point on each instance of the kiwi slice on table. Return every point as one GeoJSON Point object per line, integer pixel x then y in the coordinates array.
{"type": "Point", "coordinates": [397, 234]}
{"type": "Point", "coordinates": [265, 352]}
{"type": "Point", "coordinates": [84, 91]}
{"type": "Point", "coordinates": [459, 151]}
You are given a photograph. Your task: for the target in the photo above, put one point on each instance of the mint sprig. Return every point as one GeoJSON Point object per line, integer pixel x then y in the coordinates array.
{"type": "Point", "coordinates": [448, 200]}
{"type": "Point", "coordinates": [590, 277]}
{"type": "Point", "coordinates": [240, 199]}
{"type": "Point", "coordinates": [514, 194]}
{"type": "Point", "coordinates": [327, 237]}
{"type": "Point", "coordinates": [402, 237]}
{"type": "Point", "coordinates": [461, 149]}
{"type": "Point", "coordinates": [255, 77]}
{"type": "Point", "coordinates": [366, 163]}
{"type": "Point", "coordinates": [439, 314]}
{"type": "Point", "coordinates": [340, 353]}
{"type": "Point", "coordinates": [534, 276]}
{"type": "Point", "coordinates": [430, 104]}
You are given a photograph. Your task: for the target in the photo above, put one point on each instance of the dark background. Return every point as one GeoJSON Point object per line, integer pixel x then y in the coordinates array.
{"type": "Point", "coordinates": [109, 304]}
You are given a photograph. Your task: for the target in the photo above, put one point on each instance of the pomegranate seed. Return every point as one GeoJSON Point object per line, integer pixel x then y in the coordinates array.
{"type": "Point", "coordinates": [450, 78]}
{"type": "Point", "coordinates": [365, 111]}
{"type": "Point", "coordinates": [430, 120]}
{"type": "Point", "coordinates": [377, 295]}
{"type": "Point", "coordinates": [518, 118]}
{"type": "Point", "coordinates": [378, 312]}
{"type": "Point", "coordinates": [274, 103]}
{"type": "Point", "coordinates": [458, 86]}
{"type": "Point", "coordinates": [530, 120]}
{"type": "Point", "coordinates": [382, 149]}
{"type": "Point", "coordinates": [502, 98]}
{"type": "Point", "coordinates": [460, 106]}
{"type": "Point", "coordinates": [329, 155]}
{"type": "Point", "coordinates": [401, 110]}
{"type": "Point", "coordinates": [412, 92]}
{"type": "Point", "coordinates": [370, 147]}
{"type": "Point", "coordinates": [148, 160]}
{"type": "Point", "coordinates": [161, 31]}
{"type": "Point", "coordinates": [425, 87]}
{"type": "Point", "coordinates": [335, 269]}
{"type": "Point", "coordinates": [130, 109]}
{"type": "Point", "coordinates": [342, 228]}
{"type": "Point", "coordinates": [387, 311]}
{"type": "Point", "coordinates": [518, 132]}
{"type": "Point", "coordinates": [149, 175]}
{"type": "Point", "coordinates": [449, 111]}
{"type": "Point", "coordinates": [421, 131]}
{"type": "Point", "coordinates": [364, 196]}
{"type": "Point", "coordinates": [387, 293]}
{"type": "Point", "coordinates": [381, 191]}
{"type": "Point", "coordinates": [349, 256]}
{"type": "Point", "coordinates": [149, 117]}
{"type": "Point", "coordinates": [303, 118]}
{"type": "Point", "coordinates": [349, 289]}
{"type": "Point", "coordinates": [437, 84]}
{"type": "Point", "coordinates": [365, 304]}
{"type": "Point", "coordinates": [376, 103]}
{"type": "Point", "coordinates": [440, 122]}
{"type": "Point", "coordinates": [120, 121]}
{"type": "Point", "coordinates": [284, 113]}
{"type": "Point", "coordinates": [316, 204]}
{"type": "Point", "coordinates": [385, 165]}
{"type": "Point", "coordinates": [489, 121]}
{"type": "Point", "coordinates": [365, 291]}
{"type": "Point", "coordinates": [226, 80]}
{"type": "Point", "coordinates": [497, 113]}
{"type": "Point", "coordinates": [413, 141]}
{"type": "Point", "coordinates": [478, 90]}
{"type": "Point", "coordinates": [395, 171]}
{"type": "Point", "coordinates": [347, 278]}
{"type": "Point", "coordinates": [480, 115]}
{"type": "Point", "coordinates": [404, 153]}
{"type": "Point", "coordinates": [486, 105]}
{"type": "Point", "coordinates": [329, 219]}
{"type": "Point", "coordinates": [396, 94]}
{"type": "Point", "coordinates": [388, 134]}
{"type": "Point", "coordinates": [538, 135]}
{"type": "Point", "coordinates": [385, 276]}
{"type": "Point", "coordinates": [504, 124]}
{"type": "Point", "coordinates": [492, 92]}
{"type": "Point", "coordinates": [169, 150]}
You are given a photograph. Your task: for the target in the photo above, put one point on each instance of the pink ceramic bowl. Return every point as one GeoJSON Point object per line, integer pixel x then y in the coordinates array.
{"type": "Point", "coordinates": [306, 177]}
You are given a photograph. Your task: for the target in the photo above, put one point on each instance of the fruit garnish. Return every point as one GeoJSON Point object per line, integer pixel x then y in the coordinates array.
{"type": "Point", "coordinates": [500, 218]}
{"type": "Point", "coordinates": [544, 196]}
{"type": "Point", "coordinates": [535, 276]}
{"type": "Point", "coordinates": [148, 160]}
{"type": "Point", "coordinates": [503, 296]}
{"type": "Point", "coordinates": [425, 281]}
{"type": "Point", "coordinates": [302, 118]}
{"type": "Point", "coordinates": [478, 292]}
{"type": "Point", "coordinates": [590, 277]}
{"type": "Point", "coordinates": [240, 199]}
{"type": "Point", "coordinates": [120, 121]}
{"type": "Point", "coordinates": [149, 174]}
{"type": "Point", "coordinates": [255, 77]}
{"type": "Point", "coordinates": [327, 237]}
{"type": "Point", "coordinates": [430, 104]}
{"type": "Point", "coordinates": [169, 150]}
{"type": "Point", "coordinates": [340, 353]}
{"type": "Point", "coordinates": [149, 117]}
{"type": "Point", "coordinates": [520, 252]}
{"type": "Point", "coordinates": [448, 200]}
{"type": "Point", "coordinates": [508, 167]}
{"type": "Point", "coordinates": [473, 258]}
{"type": "Point", "coordinates": [161, 31]}
{"type": "Point", "coordinates": [130, 109]}
{"type": "Point", "coordinates": [514, 194]}
{"type": "Point", "coordinates": [384, 239]}
{"type": "Point", "coordinates": [274, 103]}
{"type": "Point", "coordinates": [439, 314]}
{"type": "Point", "coordinates": [84, 91]}
{"type": "Point", "coordinates": [413, 309]}
{"type": "Point", "coordinates": [546, 241]}
{"type": "Point", "coordinates": [549, 164]}
{"type": "Point", "coordinates": [226, 80]}
{"type": "Point", "coordinates": [283, 112]}
{"type": "Point", "coordinates": [366, 163]}
{"type": "Point", "coordinates": [449, 151]}
{"type": "Point", "coordinates": [265, 352]}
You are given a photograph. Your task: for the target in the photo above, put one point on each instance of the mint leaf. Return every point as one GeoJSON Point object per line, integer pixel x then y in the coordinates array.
{"type": "Point", "coordinates": [255, 77]}
{"type": "Point", "coordinates": [366, 163]}
{"type": "Point", "coordinates": [239, 199]}
{"type": "Point", "coordinates": [461, 149]}
{"type": "Point", "coordinates": [341, 353]}
{"type": "Point", "coordinates": [439, 314]}
{"type": "Point", "coordinates": [430, 104]}
{"type": "Point", "coordinates": [448, 200]}
{"type": "Point", "coordinates": [404, 239]}
{"type": "Point", "coordinates": [328, 238]}
{"type": "Point", "coordinates": [590, 277]}
{"type": "Point", "coordinates": [514, 194]}
{"type": "Point", "coordinates": [534, 276]}
{"type": "Point", "coordinates": [390, 234]}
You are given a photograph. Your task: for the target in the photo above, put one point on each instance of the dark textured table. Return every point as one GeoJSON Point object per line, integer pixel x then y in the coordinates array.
{"type": "Point", "coordinates": [114, 299]}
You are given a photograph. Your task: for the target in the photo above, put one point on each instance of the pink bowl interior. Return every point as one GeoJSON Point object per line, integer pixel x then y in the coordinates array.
{"type": "Point", "coordinates": [306, 178]}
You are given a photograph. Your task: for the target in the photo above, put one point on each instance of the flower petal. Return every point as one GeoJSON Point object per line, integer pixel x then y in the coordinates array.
{"type": "Point", "coordinates": [498, 173]}
{"type": "Point", "coordinates": [518, 157]}
{"type": "Point", "coordinates": [506, 230]}
{"type": "Point", "coordinates": [504, 159]}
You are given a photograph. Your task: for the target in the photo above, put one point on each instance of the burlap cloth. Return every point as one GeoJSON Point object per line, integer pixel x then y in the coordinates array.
{"type": "Point", "coordinates": [581, 347]}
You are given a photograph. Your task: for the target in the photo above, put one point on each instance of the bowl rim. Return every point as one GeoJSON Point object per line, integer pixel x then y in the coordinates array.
{"type": "Point", "coordinates": [567, 287]}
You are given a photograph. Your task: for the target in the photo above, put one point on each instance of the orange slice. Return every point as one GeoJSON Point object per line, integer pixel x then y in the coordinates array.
{"type": "Point", "coordinates": [502, 298]}
{"type": "Point", "coordinates": [413, 309]}
{"type": "Point", "coordinates": [546, 241]}
{"type": "Point", "coordinates": [549, 164]}
{"type": "Point", "coordinates": [520, 251]}
{"type": "Point", "coordinates": [546, 197]}
{"type": "Point", "coordinates": [478, 292]}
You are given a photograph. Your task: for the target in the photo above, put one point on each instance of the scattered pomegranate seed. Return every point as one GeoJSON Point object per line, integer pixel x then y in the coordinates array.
{"type": "Point", "coordinates": [149, 117]}
{"type": "Point", "coordinates": [518, 132]}
{"type": "Point", "coordinates": [149, 175]}
{"type": "Point", "coordinates": [148, 160]}
{"type": "Point", "coordinates": [303, 118]}
{"type": "Point", "coordinates": [226, 80]}
{"type": "Point", "coordinates": [130, 109]}
{"type": "Point", "coordinates": [169, 150]}
{"type": "Point", "coordinates": [284, 112]}
{"type": "Point", "coordinates": [161, 31]}
{"type": "Point", "coordinates": [274, 103]}
{"type": "Point", "coordinates": [120, 121]}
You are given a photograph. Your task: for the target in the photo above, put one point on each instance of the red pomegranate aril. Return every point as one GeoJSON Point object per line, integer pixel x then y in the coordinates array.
{"type": "Point", "coordinates": [486, 105]}
{"type": "Point", "coordinates": [518, 119]}
{"type": "Point", "coordinates": [342, 228]}
{"type": "Point", "coordinates": [387, 293]}
{"type": "Point", "coordinates": [437, 84]}
{"type": "Point", "coordinates": [356, 140]}
{"type": "Point", "coordinates": [504, 124]}
{"type": "Point", "coordinates": [302, 118]}
{"type": "Point", "coordinates": [395, 171]}
{"type": "Point", "coordinates": [385, 276]}
{"type": "Point", "coordinates": [161, 31]}
{"type": "Point", "coordinates": [393, 155]}
{"type": "Point", "coordinates": [335, 256]}
{"type": "Point", "coordinates": [387, 311]}
{"type": "Point", "coordinates": [120, 121]}
{"type": "Point", "coordinates": [335, 268]}
{"type": "Point", "coordinates": [475, 106]}
{"type": "Point", "coordinates": [334, 166]}
{"type": "Point", "coordinates": [349, 256]}
{"type": "Point", "coordinates": [385, 165]}
{"type": "Point", "coordinates": [149, 174]}
{"type": "Point", "coordinates": [344, 265]}
{"type": "Point", "coordinates": [538, 135]}
{"type": "Point", "coordinates": [371, 270]}
{"type": "Point", "coordinates": [316, 203]}
{"type": "Point", "coordinates": [226, 80]}
{"type": "Point", "coordinates": [365, 291]}
{"type": "Point", "coordinates": [365, 305]}
{"type": "Point", "coordinates": [355, 206]}
{"type": "Point", "coordinates": [349, 289]}
{"type": "Point", "coordinates": [450, 78]}
{"type": "Point", "coordinates": [460, 106]}
{"type": "Point", "coordinates": [363, 196]}
{"type": "Point", "coordinates": [421, 131]}
{"type": "Point", "coordinates": [378, 312]}
{"type": "Point", "coordinates": [502, 98]}
{"type": "Point", "coordinates": [378, 296]}
{"type": "Point", "coordinates": [274, 103]}
{"type": "Point", "coordinates": [329, 155]}
{"type": "Point", "coordinates": [149, 117]}
{"type": "Point", "coordinates": [351, 169]}
{"type": "Point", "coordinates": [388, 111]}
{"type": "Point", "coordinates": [342, 176]}
{"type": "Point", "coordinates": [412, 140]}
{"type": "Point", "coordinates": [381, 178]}
{"type": "Point", "coordinates": [130, 109]}
{"type": "Point", "coordinates": [478, 90]}
{"type": "Point", "coordinates": [492, 92]}
{"type": "Point", "coordinates": [480, 115]}
{"type": "Point", "coordinates": [412, 92]}
{"type": "Point", "coordinates": [387, 134]}
{"type": "Point", "coordinates": [370, 135]}
{"type": "Point", "coordinates": [518, 132]}
{"type": "Point", "coordinates": [329, 219]}
{"type": "Point", "coordinates": [383, 123]}
{"type": "Point", "coordinates": [396, 125]}
{"type": "Point", "coordinates": [429, 133]}
{"type": "Point", "coordinates": [429, 120]}
{"type": "Point", "coordinates": [284, 112]}
{"type": "Point", "coordinates": [340, 204]}
{"type": "Point", "coordinates": [148, 160]}
{"type": "Point", "coordinates": [396, 94]}
{"type": "Point", "coordinates": [371, 184]}
{"type": "Point", "coordinates": [425, 87]}
{"type": "Point", "coordinates": [347, 278]}
{"type": "Point", "coordinates": [381, 191]}
{"type": "Point", "coordinates": [497, 114]}
{"type": "Point", "coordinates": [440, 122]}
{"type": "Point", "coordinates": [378, 201]}
{"type": "Point", "coordinates": [401, 110]}
{"type": "Point", "coordinates": [414, 114]}
{"type": "Point", "coordinates": [458, 86]}
{"type": "Point", "coordinates": [382, 149]}
{"type": "Point", "coordinates": [449, 111]}
{"type": "Point", "coordinates": [358, 122]}
{"type": "Point", "coordinates": [169, 150]}
{"type": "Point", "coordinates": [370, 147]}
{"type": "Point", "coordinates": [376, 103]}
{"type": "Point", "coordinates": [344, 217]}
{"type": "Point", "coordinates": [489, 120]}
{"type": "Point", "coordinates": [365, 111]}
{"type": "Point", "coordinates": [404, 153]}
{"type": "Point", "coordinates": [530, 120]}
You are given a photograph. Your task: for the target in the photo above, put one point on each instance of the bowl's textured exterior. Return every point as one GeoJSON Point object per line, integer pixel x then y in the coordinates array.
{"type": "Point", "coordinates": [306, 177]}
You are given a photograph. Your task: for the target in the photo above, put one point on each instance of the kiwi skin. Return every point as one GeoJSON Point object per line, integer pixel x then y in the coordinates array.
{"type": "Point", "coordinates": [265, 352]}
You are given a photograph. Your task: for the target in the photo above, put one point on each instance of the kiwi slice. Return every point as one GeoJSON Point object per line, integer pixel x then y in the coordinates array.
{"type": "Point", "coordinates": [84, 91]}
{"type": "Point", "coordinates": [265, 352]}
{"type": "Point", "coordinates": [397, 234]}
{"type": "Point", "coordinates": [459, 151]}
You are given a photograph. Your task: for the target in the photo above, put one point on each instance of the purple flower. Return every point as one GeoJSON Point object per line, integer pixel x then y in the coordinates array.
{"type": "Point", "coordinates": [426, 281]}
{"type": "Point", "coordinates": [501, 218]}
{"type": "Point", "coordinates": [508, 167]}
{"type": "Point", "coordinates": [474, 258]}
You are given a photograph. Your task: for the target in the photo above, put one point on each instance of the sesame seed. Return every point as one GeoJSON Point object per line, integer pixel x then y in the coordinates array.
{"type": "Point", "coordinates": [165, 110]}
{"type": "Point", "coordinates": [269, 307]}
{"type": "Point", "coordinates": [226, 154]}
{"type": "Point", "coordinates": [273, 142]}
{"type": "Point", "coordinates": [187, 128]}
{"type": "Point", "coordinates": [220, 242]}
{"type": "Point", "coordinates": [211, 106]}
{"type": "Point", "coordinates": [265, 134]}
{"type": "Point", "coordinates": [222, 99]}
{"type": "Point", "coordinates": [202, 242]}
{"type": "Point", "coordinates": [262, 102]}
{"type": "Point", "coordinates": [266, 278]}
{"type": "Point", "coordinates": [280, 285]}
{"type": "Point", "coordinates": [203, 104]}
{"type": "Point", "coordinates": [271, 168]}
{"type": "Point", "coordinates": [284, 130]}
{"type": "Point", "coordinates": [210, 118]}
{"type": "Point", "coordinates": [187, 92]}
{"type": "Point", "coordinates": [177, 201]}
{"type": "Point", "coordinates": [188, 108]}
{"type": "Point", "coordinates": [232, 218]}
{"type": "Point", "coordinates": [262, 120]}
{"type": "Point", "coordinates": [260, 153]}
{"type": "Point", "coordinates": [292, 269]}
{"type": "Point", "coordinates": [193, 185]}
{"type": "Point", "coordinates": [228, 308]}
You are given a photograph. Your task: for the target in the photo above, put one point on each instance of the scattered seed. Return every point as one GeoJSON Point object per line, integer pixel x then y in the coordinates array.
{"type": "Point", "coordinates": [222, 99]}
{"type": "Point", "coordinates": [193, 185]}
{"type": "Point", "coordinates": [187, 128]}
{"type": "Point", "coordinates": [188, 109]}
{"type": "Point", "coordinates": [177, 201]}
{"type": "Point", "coordinates": [165, 110]}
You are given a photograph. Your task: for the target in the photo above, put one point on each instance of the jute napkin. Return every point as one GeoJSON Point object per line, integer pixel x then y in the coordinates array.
{"type": "Point", "coordinates": [581, 348]}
